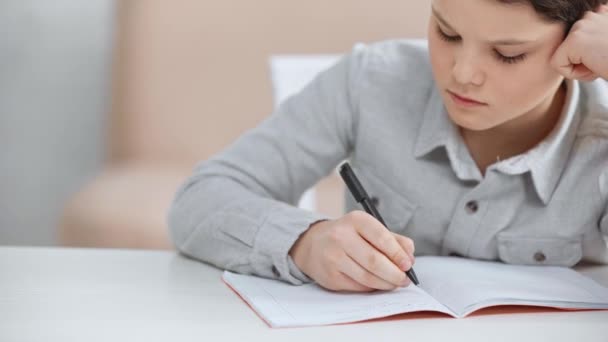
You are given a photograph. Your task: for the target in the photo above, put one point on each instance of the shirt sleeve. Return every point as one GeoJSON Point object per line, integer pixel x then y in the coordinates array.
{"type": "Point", "coordinates": [237, 209]}
{"type": "Point", "coordinates": [603, 185]}
{"type": "Point", "coordinates": [604, 224]}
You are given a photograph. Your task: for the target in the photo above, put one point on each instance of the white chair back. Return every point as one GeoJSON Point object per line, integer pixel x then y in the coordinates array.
{"type": "Point", "coordinates": [289, 74]}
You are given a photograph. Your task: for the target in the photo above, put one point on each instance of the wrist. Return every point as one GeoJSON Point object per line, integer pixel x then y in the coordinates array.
{"type": "Point", "coordinates": [300, 251]}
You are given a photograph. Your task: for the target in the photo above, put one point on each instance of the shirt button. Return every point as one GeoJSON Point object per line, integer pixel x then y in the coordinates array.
{"type": "Point", "coordinates": [540, 257]}
{"type": "Point", "coordinates": [472, 207]}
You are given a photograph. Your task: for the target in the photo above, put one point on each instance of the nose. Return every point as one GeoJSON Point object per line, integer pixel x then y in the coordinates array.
{"type": "Point", "coordinates": [466, 70]}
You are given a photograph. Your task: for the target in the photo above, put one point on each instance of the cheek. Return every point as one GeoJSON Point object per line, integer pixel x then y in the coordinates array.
{"type": "Point", "coordinates": [524, 87]}
{"type": "Point", "coordinates": [441, 60]}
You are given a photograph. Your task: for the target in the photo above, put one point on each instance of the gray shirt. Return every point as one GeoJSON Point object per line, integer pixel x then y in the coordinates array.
{"type": "Point", "coordinates": [379, 108]}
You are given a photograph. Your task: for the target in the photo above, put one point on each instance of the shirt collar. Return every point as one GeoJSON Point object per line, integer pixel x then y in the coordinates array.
{"type": "Point", "coordinates": [548, 159]}
{"type": "Point", "coordinates": [436, 131]}
{"type": "Point", "coordinates": [545, 162]}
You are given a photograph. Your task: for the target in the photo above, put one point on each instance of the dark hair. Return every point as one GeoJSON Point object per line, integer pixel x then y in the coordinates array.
{"type": "Point", "coordinates": [564, 11]}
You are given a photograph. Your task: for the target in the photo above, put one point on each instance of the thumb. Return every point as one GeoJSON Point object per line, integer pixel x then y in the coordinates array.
{"type": "Point", "coordinates": [567, 61]}
{"type": "Point", "coordinates": [582, 73]}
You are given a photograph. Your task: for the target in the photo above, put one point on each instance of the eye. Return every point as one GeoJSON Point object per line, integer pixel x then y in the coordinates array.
{"type": "Point", "coordinates": [502, 58]}
{"type": "Point", "coordinates": [509, 59]}
{"type": "Point", "coordinates": [447, 38]}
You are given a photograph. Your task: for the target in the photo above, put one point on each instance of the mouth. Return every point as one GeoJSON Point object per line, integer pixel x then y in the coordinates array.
{"type": "Point", "coordinates": [465, 101]}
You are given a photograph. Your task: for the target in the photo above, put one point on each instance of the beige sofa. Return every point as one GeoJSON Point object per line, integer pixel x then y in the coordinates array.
{"type": "Point", "coordinates": [190, 77]}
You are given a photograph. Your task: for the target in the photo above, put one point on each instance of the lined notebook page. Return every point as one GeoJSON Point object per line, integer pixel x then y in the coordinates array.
{"type": "Point", "coordinates": [284, 305]}
{"type": "Point", "coordinates": [454, 286]}
{"type": "Point", "coordinates": [465, 285]}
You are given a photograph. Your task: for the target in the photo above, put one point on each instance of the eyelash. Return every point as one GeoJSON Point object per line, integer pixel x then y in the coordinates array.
{"type": "Point", "coordinates": [499, 56]}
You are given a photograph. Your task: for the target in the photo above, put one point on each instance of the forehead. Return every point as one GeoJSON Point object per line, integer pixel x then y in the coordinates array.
{"type": "Point", "coordinates": [492, 19]}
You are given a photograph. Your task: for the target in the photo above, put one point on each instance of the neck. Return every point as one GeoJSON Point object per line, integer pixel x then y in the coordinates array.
{"type": "Point", "coordinates": [516, 136]}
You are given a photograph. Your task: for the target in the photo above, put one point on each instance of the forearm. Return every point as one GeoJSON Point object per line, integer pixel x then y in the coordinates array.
{"type": "Point", "coordinates": [238, 209]}
{"type": "Point", "coordinates": [220, 222]}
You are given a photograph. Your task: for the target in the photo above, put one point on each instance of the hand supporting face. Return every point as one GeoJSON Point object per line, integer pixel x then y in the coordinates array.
{"type": "Point", "coordinates": [584, 53]}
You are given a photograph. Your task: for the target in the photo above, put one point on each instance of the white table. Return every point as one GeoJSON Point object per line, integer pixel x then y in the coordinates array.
{"type": "Point", "coordinates": [56, 294]}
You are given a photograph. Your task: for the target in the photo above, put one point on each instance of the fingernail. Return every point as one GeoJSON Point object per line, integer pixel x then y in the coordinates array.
{"type": "Point", "coordinates": [405, 282]}
{"type": "Point", "coordinates": [405, 265]}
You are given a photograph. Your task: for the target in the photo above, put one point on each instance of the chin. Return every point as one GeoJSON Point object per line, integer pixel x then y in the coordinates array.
{"type": "Point", "coordinates": [469, 121]}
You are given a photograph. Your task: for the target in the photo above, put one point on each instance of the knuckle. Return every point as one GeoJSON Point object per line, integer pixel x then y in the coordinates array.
{"type": "Point", "coordinates": [578, 32]}
{"type": "Point", "coordinates": [399, 257]}
{"type": "Point", "coordinates": [332, 257]}
{"type": "Point", "coordinates": [576, 27]}
{"type": "Point", "coordinates": [385, 241]}
{"type": "Point", "coordinates": [409, 243]}
{"type": "Point", "coordinates": [369, 280]}
{"type": "Point", "coordinates": [335, 235]}
{"type": "Point", "coordinates": [357, 215]}
{"type": "Point", "coordinates": [589, 15]}
{"type": "Point", "coordinates": [372, 261]}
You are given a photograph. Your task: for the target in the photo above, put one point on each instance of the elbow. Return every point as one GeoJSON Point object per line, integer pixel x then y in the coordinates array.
{"type": "Point", "coordinates": [179, 221]}
{"type": "Point", "coordinates": [194, 202]}
{"type": "Point", "coordinates": [187, 211]}
{"type": "Point", "coordinates": [179, 231]}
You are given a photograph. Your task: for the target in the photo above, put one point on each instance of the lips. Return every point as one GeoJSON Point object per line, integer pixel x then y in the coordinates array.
{"type": "Point", "coordinates": [465, 100]}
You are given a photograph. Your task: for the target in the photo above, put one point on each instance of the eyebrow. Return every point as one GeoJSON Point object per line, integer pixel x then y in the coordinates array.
{"type": "Point", "coordinates": [494, 42]}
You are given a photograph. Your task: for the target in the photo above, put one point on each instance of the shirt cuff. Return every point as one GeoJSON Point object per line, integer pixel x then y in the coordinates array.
{"type": "Point", "coordinates": [274, 240]}
{"type": "Point", "coordinates": [295, 271]}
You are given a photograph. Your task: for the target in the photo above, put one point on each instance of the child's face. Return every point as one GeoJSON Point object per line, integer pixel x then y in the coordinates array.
{"type": "Point", "coordinates": [510, 80]}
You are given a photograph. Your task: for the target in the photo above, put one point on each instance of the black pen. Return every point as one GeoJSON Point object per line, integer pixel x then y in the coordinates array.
{"type": "Point", "coordinates": [360, 195]}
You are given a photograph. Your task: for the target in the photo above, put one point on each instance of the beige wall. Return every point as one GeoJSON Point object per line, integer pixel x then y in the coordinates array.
{"type": "Point", "coordinates": [192, 75]}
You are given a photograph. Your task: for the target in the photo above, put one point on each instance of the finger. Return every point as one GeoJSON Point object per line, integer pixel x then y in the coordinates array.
{"type": "Point", "coordinates": [566, 58]}
{"type": "Point", "coordinates": [407, 244]}
{"type": "Point", "coordinates": [588, 78]}
{"type": "Point", "coordinates": [383, 240]}
{"type": "Point", "coordinates": [582, 73]}
{"type": "Point", "coordinates": [373, 261]}
{"type": "Point", "coordinates": [360, 275]}
{"type": "Point", "coordinates": [346, 283]}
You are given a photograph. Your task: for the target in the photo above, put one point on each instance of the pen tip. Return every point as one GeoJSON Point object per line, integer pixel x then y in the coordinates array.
{"type": "Point", "coordinates": [412, 275]}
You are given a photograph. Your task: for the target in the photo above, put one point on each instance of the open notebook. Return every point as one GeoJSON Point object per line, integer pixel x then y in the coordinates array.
{"type": "Point", "coordinates": [454, 286]}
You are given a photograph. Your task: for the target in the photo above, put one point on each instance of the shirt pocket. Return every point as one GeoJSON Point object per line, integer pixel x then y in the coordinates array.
{"type": "Point", "coordinates": [396, 209]}
{"type": "Point", "coordinates": [550, 251]}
